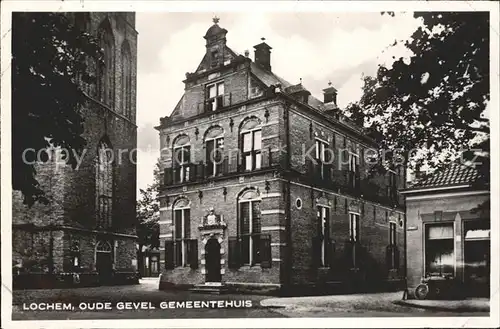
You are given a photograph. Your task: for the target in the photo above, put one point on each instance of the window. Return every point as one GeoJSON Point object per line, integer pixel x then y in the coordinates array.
{"type": "Point", "coordinates": [215, 96]}
{"type": "Point", "coordinates": [104, 184]}
{"type": "Point", "coordinates": [181, 163]}
{"type": "Point", "coordinates": [105, 74]}
{"type": "Point", "coordinates": [439, 249]}
{"type": "Point", "coordinates": [323, 214]}
{"type": "Point", "coordinates": [322, 156]}
{"type": "Point", "coordinates": [250, 228]}
{"type": "Point", "coordinates": [126, 81]}
{"type": "Point", "coordinates": [214, 148]}
{"type": "Point", "coordinates": [392, 249]}
{"type": "Point", "coordinates": [392, 189]}
{"type": "Point", "coordinates": [392, 234]}
{"type": "Point", "coordinates": [353, 170]}
{"type": "Point", "coordinates": [252, 157]}
{"type": "Point", "coordinates": [354, 227]}
{"type": "Point", "coordinates": [477, 253]}
{"type": "Point", "coordinates": [353, 162]}
{"type": "Point", "coordinates": [182, 232]}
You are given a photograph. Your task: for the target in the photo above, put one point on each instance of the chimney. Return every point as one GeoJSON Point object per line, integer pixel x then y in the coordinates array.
{"type": "Point", "coordinates": [263, 55]}
{"type": "Point", "coordinates": [330, 94]}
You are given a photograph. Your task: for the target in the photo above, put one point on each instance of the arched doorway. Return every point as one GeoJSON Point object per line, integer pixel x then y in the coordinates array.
{"type": "Point", "coordinates": [104, 261]}
{"type": "Point", "coordinates": [212, 259]}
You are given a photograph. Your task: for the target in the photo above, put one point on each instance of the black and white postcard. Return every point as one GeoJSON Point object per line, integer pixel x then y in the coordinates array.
{"type": "Point", "coordinates": [249, 164]}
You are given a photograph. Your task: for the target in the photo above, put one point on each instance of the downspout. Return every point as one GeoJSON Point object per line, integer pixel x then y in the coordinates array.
{"type": "Point", "coordinates": [405, 271]}
{"type": "Point", "coordinates": [288, 223]}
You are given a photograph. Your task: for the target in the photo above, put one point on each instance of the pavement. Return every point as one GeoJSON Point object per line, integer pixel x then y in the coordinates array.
{"type": "Point", "coordinates": [466, 305]}
{"type": "Point", "coordinates": [354, 305]}
{"type": "Point", "coordinates": [374, 304]}
{"type": "Point", "coordinates": [146, 291]}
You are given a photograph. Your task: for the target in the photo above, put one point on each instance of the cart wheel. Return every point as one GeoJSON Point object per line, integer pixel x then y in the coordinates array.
{"type": "Point", "coordinates": [422, 291]}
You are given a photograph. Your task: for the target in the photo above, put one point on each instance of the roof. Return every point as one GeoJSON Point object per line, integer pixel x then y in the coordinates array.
{"type": "Point", "coordinates": [454, 174]}
{"type": "Point", "coordinates": [270, 78]}
{"type": "Point", "coordinates": [214, 30]}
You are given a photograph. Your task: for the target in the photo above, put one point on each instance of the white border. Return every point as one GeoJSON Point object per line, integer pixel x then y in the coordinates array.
{"type": "Point", "coordinates": [244, 6]}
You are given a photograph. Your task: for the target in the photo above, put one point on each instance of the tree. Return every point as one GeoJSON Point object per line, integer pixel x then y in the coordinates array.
{"type": "Point", "coordinates": [432, 107]}
{"type": "Point", "coordinates": [49, 62]}
{"type": "Point", "coordinates": [148, 214]}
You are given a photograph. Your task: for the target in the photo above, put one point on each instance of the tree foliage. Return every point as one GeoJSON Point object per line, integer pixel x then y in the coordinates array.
{"type": "Point", "coordinates": [431, 107]}
{"type": "Point", "coordinates": [49, 60]}
{"type": "Point", "coordinates": [148, 213]}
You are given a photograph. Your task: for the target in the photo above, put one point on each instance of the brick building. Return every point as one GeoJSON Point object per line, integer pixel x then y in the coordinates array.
{"type": "Point", "coordinates": [446, 234]}
{"type": "Point", "coordinates": [89, 225]}
{"type": "Point", "coordinates": [266, 187]}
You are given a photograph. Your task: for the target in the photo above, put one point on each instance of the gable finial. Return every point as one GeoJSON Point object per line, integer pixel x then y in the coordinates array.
{"type": "Point", "coordinates": [215, 19]}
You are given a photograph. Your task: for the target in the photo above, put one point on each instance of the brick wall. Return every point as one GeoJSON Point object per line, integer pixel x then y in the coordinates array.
{"type": "Point", "coordinates": [225, 206]}
{"type": "Point", "coordinates": [374, 234]}
{"type": "Point", "coordinates": [72, 191]}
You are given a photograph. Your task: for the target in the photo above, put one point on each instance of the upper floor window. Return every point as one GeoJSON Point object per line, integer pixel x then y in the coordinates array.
{"type": "Point", "coordinates": [214, 148]}
{"type": "Point", "coordinates": [251, 145]}
{"type": "Point", "coordinates": [126, 82]}
{"type": "Point", "coordinates": [215, 96]}
{"type": "Point", "coordinates": [354, 227]}
{"type": "Point", "coordinates": [249, 227]}
{"type": "Point", "coordinates": [353, 162]}
{"type": "Point", "coordinates": [322, 155]}
{"type": "Point", "coordinates": [104, 184]}
{"type": "Point", "coordinates": [321, 149]}
{"type": "Point", "coordinates": [182, 231]}
{"type": "Point", "coordinates": [105, 73]}
{"type": "Point", "coordinates": [181, 159]}
{"type": "Point", "coordinates": [392, 188]}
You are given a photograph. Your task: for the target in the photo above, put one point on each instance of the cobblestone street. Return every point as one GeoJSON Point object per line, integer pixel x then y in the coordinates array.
{"type": "Point", "coordinates": [368, 305]}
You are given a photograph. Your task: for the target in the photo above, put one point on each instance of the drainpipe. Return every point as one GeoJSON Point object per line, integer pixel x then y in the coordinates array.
{"type": "Point", "coordinates": [288, 196]}
{"type": "Point", "coordinates": [405, 271]}
{"type": "Point", "coordinates": [51, 252]}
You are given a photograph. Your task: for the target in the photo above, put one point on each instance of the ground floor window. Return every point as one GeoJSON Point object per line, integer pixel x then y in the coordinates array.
{"type": "Point", "coordinates": [477, 251]}
{"type": "Point", "coordinates": [439, 249]}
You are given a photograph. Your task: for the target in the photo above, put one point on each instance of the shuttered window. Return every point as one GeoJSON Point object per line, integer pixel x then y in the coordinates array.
{"type": "Point", "coordinates": [182, 233]}
{"type": "Point", "coordinates": [323, 234]}
{"type": "Point", "coordinates": [250, 229]}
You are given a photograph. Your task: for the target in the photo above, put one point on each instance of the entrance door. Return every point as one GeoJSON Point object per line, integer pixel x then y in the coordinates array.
{"type": "Point", "coordinates": [104, 261]}
{"type": "Point", "coordinates": [104, 265]}
{"type": "Point", "coordinates": [212, 258]}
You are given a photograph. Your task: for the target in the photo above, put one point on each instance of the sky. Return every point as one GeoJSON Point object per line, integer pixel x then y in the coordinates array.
{"type": "Point", "coordinates": [316, 47]}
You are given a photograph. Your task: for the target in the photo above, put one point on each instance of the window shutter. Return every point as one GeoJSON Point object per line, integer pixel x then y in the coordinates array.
{"type": "Point", "coordinates": [348, 254]}
{"type": "Point", "coordinates": [316, 251]}
{"type": "Point", "coordinates": [177, 253]}
{"type": "Point", "coordinates": [234, 253]}
{"type": "Point", "coordinates": [168, 176]}
{"type": "Point", "coordinates": [396, 257]}
{"type": "Point", "coordinates": [330, 253]}
{"type": "Point", "coordinates": [192, 172]}
{"type": "Point", "coordinates": [388, 257]}
{"type": "Point", "coordinates": [223, 167]}
{"type": "Point", "coordinates": [200, 171]}
{"type": "Point", "coordinates": [265, 251]}
{"type": "Point", "coordinates": [187, 223]}
{"type": "Point", "coordinates": [193, 253]}
{"type": "Point", "coordinates": [169, 254]}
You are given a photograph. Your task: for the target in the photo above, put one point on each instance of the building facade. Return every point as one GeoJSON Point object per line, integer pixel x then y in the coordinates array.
{"type": "Point", "coordinates": [448, 234]}
{"type": "Point", "coordinates": [266, 187]}
{"type": "Point", "coordinates": [88, 228]}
